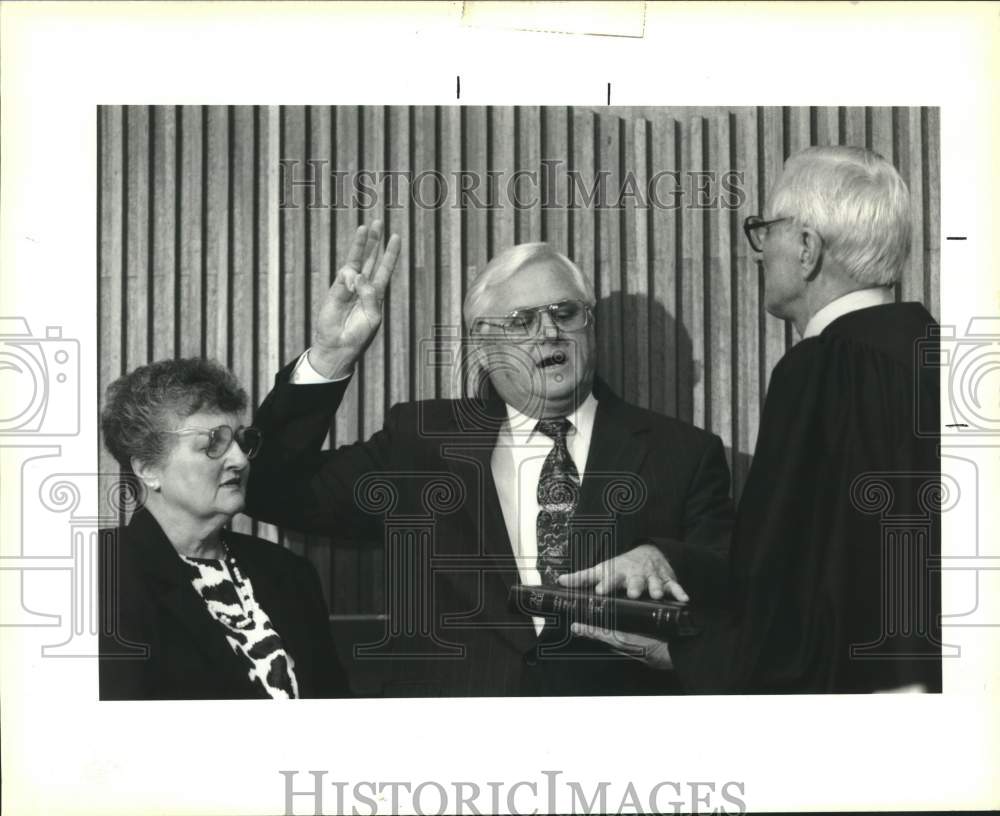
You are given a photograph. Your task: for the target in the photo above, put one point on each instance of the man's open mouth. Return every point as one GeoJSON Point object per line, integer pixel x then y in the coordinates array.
{"type": "Point", "coordinates": [556, 359]}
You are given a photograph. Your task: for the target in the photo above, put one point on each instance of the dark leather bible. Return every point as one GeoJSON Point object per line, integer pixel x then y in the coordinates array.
{"type": "Point", "coordinates": [659, 619]}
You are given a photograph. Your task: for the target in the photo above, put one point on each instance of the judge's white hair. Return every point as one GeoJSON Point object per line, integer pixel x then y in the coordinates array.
{"type": "Point", "coordinates": [480, 298]}
{"type": "Point", "coordinates": [858, 203]}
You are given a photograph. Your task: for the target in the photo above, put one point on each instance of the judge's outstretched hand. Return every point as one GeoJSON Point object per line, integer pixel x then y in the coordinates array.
{"type": "Point", "coordinates": [641, 569]}
{"type": "Point", "coordinates": [654, 653]}
{"type": "Point", "coordinates": [352, 311]}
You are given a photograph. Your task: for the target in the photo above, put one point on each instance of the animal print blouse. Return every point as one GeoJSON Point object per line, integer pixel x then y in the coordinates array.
{"type": "Point", "coordinates": [229, 597]}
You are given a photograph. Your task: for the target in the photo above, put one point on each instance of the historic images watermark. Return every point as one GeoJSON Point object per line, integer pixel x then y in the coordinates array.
{"type": "Point", "coordinates": [315, 794]}
{"type": "Point", "coordinates": [44, 404]}
{"type": "Point", "coordinates": [413, 505]}
{"type": "Point", "coordinates": [40, 385]}
{"type": "Point", "coordinates": [967, 366]}
{"type": "Point", "coordinates": [42, 388]}
{"type": "Point", "coordinates": [315, 185]}
{"type": "Point", "coordinates": [910, 505]}
{"type": "Point", "coordinates": [39, 406]}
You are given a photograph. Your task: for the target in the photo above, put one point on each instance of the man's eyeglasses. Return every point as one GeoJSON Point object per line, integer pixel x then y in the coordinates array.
{"type": "Point", "coordinates": [220, 438]}
{"type": "Point", "coordinates": [523, 324]}
{"type": "Point", "coordinates": [754, 226]}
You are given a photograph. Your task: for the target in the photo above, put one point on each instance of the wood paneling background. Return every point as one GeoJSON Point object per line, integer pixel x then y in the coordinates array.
{"type": "Point", "coordinates": [196, 256]}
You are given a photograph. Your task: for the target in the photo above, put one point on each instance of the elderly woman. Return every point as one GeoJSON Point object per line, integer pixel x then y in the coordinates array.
{"type": "Point", "coordinates": [190, 609]}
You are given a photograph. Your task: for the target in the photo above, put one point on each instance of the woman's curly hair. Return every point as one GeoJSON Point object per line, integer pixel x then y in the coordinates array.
{"type": "Point", "coordinates": [139, 405]}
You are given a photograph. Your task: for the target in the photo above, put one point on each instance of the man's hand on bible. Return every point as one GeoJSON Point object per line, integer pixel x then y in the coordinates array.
{"type": "Point", "coordinates": [642, 569]}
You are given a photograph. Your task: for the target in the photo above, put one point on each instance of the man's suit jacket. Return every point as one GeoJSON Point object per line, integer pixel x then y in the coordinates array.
{"type": "Point", "coordinates": [424, 486]}
{"type": "Point", "coordinates": [158, 640]}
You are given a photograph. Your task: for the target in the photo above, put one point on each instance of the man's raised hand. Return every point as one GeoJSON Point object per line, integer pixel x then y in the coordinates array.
{"type": "Point", "coordinates": [352, 310]}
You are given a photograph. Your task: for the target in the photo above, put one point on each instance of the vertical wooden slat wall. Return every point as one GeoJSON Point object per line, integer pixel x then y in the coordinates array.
{"type": "Point", "coordinates": [197, 257]}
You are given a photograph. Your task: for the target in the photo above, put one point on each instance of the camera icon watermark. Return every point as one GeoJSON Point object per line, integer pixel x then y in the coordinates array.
{"type": "Point", "coordinates": [89, 607]}
{"type": "Point", "coordinates": [40, 382]}
{"type": "Point", "coordinates": [969, 367]}
{"type": "Point", "coordinates": [533, 370]}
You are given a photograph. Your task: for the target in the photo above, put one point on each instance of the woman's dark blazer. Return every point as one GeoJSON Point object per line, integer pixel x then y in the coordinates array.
{"type": "Point", "coordinates": [158, 641]}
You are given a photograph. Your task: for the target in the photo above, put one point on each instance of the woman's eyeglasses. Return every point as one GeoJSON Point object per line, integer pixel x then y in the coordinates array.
{"type": "Point", "coordinates": [220, 438]}
{"type": "Point", "coordinates": [752, 227]}
{"type": "Point", "coordinates": [523, 324]}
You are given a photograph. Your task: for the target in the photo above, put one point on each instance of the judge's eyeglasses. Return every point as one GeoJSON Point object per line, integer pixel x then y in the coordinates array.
{"type": "Point", "coordinates": [523, 324]}
{"type": "Point", "coordinates": [755, 228]}
{"type": "Point", "coordinates": [221, 437]}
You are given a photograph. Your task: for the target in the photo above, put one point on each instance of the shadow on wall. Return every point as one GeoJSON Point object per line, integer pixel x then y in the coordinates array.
{"type": "Point", "coordinates": [647, 358]}
{"type": "Point", "coordinates": [645, 355]}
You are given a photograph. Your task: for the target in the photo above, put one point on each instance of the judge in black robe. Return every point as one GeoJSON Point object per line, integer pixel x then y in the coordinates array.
{"type": "Point", "coordinates": [831, 584]}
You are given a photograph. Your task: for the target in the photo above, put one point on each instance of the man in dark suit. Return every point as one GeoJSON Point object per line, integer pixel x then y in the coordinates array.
{"type": "Point", "coordinates": [544, 472]}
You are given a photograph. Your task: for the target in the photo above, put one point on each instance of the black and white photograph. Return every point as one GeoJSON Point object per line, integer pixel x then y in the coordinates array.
{"type": "Point", "coordinates": [545, 347]}
{"type": "Point", "coordinates": [498, 407]}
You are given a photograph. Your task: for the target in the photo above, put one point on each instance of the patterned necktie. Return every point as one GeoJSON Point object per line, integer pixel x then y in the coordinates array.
{"type": "Point", "coordinates": [558, 491]}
